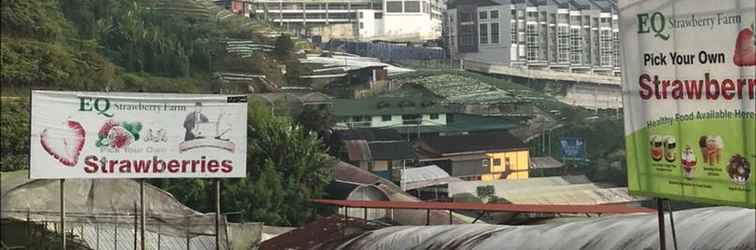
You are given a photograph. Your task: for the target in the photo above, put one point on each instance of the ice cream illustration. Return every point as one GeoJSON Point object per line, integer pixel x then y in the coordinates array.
{"type": "Point", "coordinates": [657, 147]}
{"type": "Point", "coordinates": [739, 169]}
{"type": "Point", "coordinates": [688, 160]}
{"type": "Point", "coordinates": [670, 149]}
{"type": "Point", "coordinates": [711, 148]}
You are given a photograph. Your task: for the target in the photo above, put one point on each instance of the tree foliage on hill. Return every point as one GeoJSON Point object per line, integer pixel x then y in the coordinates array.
{"type": "Point", "coordinates": [14, 127]}
{"type": "Point", "coordinates": [286, 167]}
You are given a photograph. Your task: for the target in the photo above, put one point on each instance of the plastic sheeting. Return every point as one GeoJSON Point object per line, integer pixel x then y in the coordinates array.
{"type": "Point", "coordinates": [106, 201]}
{"type": "Point", "coordinates": [414, 178]}
{"type": "Point", "coordinates": [705, 228]}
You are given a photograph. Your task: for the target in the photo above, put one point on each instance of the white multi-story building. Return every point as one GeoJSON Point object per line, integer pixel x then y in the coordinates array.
{"type": "Point", "coordinates": [578, 36]}
{"type": "Point", "coordinates": [356, 19]}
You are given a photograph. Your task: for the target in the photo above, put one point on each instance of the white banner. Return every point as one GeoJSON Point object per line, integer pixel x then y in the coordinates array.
{"type": "Point", "coordinates": [137, 135]}
{"type": "Point", "coordinates": [689, 84]}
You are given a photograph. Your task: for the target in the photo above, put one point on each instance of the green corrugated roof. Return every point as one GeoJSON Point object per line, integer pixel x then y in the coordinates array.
{"type": "Point", "coordinates": [386, 106]}
{"type": "Point", "coordinates": [466, 123]}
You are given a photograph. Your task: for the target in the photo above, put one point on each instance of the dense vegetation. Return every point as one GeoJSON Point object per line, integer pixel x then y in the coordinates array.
{"type": "Point", "coordinates": [133, 45]}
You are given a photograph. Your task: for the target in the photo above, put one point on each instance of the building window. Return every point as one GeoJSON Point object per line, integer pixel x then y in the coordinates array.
{"type": "Point", "coordinates": [378, 15]}
{"type": "Point", "coordinates": [497, 161]}
{"type": "Point", "coordinates": [386, 118]}
{"type": "Point", "coordinates": [575, 20]}
{"type": "Point", "coordinates": [482, 15]}
{"type": "Point", "coordinates": [606, 47]}
{"type": "Point", "coordinates": [362, 26]}
{"type": "Point", "coordinates": [465, 17]}
{"type": "Point", "coordinates": [361, 15]}
{"type": "Point", "coordinates": [576, 46]}
{"type": "Point", "coordinates": [494, 14]}
{"type": "Point", "coordinates": [562, 18]}
{"type": "Point", "coordinates": [434, 116]}
{"type": "Point", "coordinates": [495, 33]}
{"type": "Point", "coordinates": [532, 41]}
{"type": "Point", "coordinates": [412, 6]}
{"type": "Point", "coordinates": [513, 25]}
{"type": "Point", "coordinates": [394, 6]}
{"type": "Point", "coordinates": [563, 45]}
{"type": "Point", "coordinates": [616, 49]}
{"type": "Point", "coordinates": [483, 33]}
{"type": "Point", "coordinates": [411, 119]}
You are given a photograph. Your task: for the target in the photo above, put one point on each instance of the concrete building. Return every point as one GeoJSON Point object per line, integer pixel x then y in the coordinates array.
{"type": "Point", "coordinates": [402, 20]}
{"type": "Point", "coordinates": [575, 36]}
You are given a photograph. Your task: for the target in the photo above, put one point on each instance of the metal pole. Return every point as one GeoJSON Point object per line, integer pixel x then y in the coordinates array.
{"type": "Point", "coordinates": [62, 215]}
{"type": "Point", "coordinates": [672, 223]}
{"type": "Point", "coordinates": [28, 227]}
{"type": "Point", "coordinates": [97, 236]}
{"type": "Point", "coordinates": [136, 225]}
{"type": "Point", "coordinates": [427, 217]}
{"type": "Point", "coordinates": [660, 212]}
{"type": "Point", "coordinates": [450, 217]}
{"type": "Point", "coordinates": [217, 214]}
{"type": "Point", "coordinates": [364, 215]}
{"type": "Point", "coordinates": [115, 234]}
{"type": "Point", "coordinates": [141, 212]}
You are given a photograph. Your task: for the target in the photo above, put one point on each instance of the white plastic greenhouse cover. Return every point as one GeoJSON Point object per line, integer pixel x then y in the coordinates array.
{"type": "Point", "coordinates": [704, 228]}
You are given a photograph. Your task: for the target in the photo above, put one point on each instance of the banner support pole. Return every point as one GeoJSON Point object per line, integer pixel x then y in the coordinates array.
{"type": "Point", "coordinates": [217, 213]}
{"type": "Point", "coordinates": [660, 212]}
{"type": "Point", "coordinates": [62, 214]}
{"type": "Point", "coordinates": [672, 223]}
{"type": "Point", "coordinates": [141, 212]}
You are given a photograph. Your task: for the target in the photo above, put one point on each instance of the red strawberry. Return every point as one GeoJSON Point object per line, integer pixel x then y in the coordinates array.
{"type": "Point", "coordinates": [119, 137]}
{"type": "Point", "coordinates": [106, 128]}
{"type": "Point", "coordinates": [64, 145]}
{"type": "Point", "coordinates": [745, 55]}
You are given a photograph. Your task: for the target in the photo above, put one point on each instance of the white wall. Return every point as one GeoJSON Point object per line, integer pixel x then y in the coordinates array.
{"type": "Point", "coordinates": [427, 121]}
{"type": "Point", "coordinates": [377, 121]}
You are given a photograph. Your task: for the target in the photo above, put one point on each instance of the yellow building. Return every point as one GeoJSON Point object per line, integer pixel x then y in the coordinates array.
{"type": "Point", "coordinates": [508, 165]}
{"type": "Point", "coordinates": [479, 156]}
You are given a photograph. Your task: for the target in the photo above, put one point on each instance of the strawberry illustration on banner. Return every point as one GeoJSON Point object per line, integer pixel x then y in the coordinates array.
{"type": "Point", "coordinates": [745, 53]}
{"type": "Point", "coordinates": [64, 144]}
{"type": "Point", "coordinates": [118, 134]}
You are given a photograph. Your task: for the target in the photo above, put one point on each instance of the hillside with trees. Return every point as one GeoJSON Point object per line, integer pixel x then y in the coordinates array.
{"type": "Point", "coordinates": [161, 46]}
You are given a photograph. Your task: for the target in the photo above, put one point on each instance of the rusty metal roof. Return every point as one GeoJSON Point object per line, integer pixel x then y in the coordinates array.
{"type": "Point", "coordinates": [523, 208]}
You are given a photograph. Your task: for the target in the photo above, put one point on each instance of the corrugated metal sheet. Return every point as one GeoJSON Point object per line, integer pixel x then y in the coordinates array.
{"type": "Point", "coordinates": [544, 163]}
{"type": "Point", "coordinates": [512, 185]}
{"type": "Point", "coordinates": [576, 209]}
{"type": "Point", "coordinates": [549, 190]}
{"type": "Point", "coordinates": [414, 178]}
{"type": "Point", "coordinates": [358, 150]}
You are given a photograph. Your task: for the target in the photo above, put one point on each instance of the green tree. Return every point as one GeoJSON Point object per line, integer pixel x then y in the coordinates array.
{"type": "Point", "coordinates": [316, 118]}
{"type": "Point", "coordinates": [283, 47]}
{"type": "Point", "coordinates": [14, 127]}
{"type": "Point", "coordinates": [286, 167]}
{"type": "Point", "coordinates": [485, 191]}
{"type": "Point", "coordinates": [299, 160]}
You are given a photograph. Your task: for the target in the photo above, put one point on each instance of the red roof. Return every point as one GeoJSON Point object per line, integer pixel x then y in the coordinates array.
{"type": "Point", "coordinates": [523, 208]}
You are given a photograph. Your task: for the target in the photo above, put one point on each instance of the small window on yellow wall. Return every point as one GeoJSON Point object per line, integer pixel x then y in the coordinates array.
{"type": "Point", "coordinates": [497, 162]}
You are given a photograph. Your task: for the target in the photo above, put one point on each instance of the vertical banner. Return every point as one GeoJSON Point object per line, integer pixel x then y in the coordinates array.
{"type": "Point", "coordinates": [137, 135]}
{"type": "Point", "coordinates": [689, 86]}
